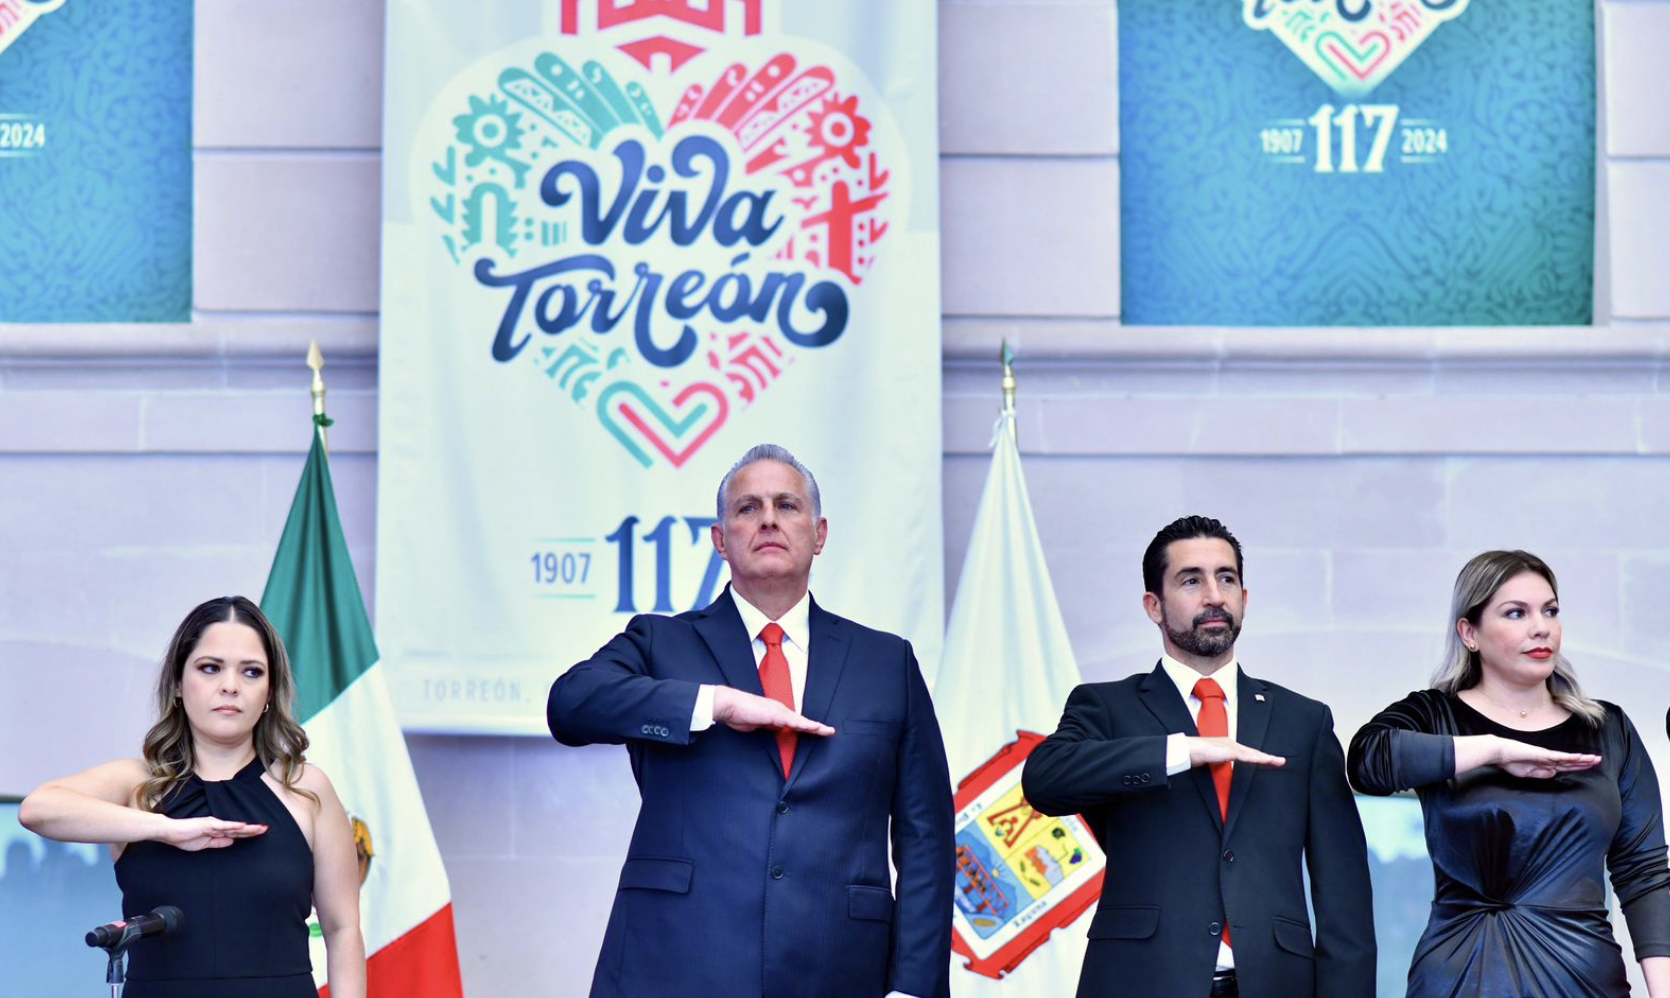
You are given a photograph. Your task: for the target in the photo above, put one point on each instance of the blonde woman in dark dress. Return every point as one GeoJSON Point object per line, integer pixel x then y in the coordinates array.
{"type": "Point", "coordinates": [1532, 795]}
{"type": "Point", "coordinates": [223, 819]}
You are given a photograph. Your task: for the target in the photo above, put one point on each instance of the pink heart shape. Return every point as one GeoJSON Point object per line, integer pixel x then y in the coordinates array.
{"type": "Point", "coordinates": [1343, 53]}
{"type": "Point", "coordinates": [678, 457]}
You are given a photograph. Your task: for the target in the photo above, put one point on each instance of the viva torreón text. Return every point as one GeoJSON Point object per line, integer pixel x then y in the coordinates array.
{"type": "Point", "coordinates": [698, 207]}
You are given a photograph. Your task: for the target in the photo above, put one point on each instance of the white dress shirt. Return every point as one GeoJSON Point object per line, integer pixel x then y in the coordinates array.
{"type": "Point", "coordinates": [1177, 748]}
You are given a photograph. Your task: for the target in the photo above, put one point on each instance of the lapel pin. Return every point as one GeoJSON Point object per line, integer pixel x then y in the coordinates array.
{"type": "Point", "coordinates": [1259, 697]}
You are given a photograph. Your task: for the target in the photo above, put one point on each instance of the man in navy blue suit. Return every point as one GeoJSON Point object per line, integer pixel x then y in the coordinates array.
{"type": "Point", "coordinates": [779, 751]}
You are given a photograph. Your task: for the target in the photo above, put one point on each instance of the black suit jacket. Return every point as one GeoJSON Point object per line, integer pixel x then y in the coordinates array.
{"type": "Point", "coordinates": [739, 883]}
{"type": "Point", "coordinates": [1177, 872]}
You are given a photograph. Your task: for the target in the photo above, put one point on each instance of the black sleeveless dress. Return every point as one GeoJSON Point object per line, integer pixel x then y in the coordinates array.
{"type": "Point", "coordinates": [1520, 865]}
{"type": "Point", "coordinates": [245, 906]}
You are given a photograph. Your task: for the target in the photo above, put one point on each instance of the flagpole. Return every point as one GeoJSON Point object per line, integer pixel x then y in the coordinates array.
{"type": "Point", "coordinates": [316, 361]}
{"type": "Point", "coordinates": [1007, 356]}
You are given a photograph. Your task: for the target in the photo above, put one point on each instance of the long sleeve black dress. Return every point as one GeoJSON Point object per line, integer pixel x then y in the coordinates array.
{"type": "Point", "coordinates": [1519, 906]}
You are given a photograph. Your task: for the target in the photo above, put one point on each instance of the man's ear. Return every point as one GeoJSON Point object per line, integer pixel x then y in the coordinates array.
{"type": "Point", "coordinates": [823, 535]}
{"type": "Point", "coordinates": [1151, 604]}
{"type": "Point", "coordinates": [718, 535]}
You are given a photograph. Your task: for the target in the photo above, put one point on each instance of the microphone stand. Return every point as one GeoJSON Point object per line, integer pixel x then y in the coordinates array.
{"type": "Point", "coordinates": [115, 974]}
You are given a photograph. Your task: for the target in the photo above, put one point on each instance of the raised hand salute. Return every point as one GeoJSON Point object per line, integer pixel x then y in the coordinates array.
{"type": "Point", "coordinates": [1518, 758]}
{"type": "Point", "coordinates": [1210, 751]}
{"type": "Point", "coordinates": [100, 806]}
{"type": "Point", "coordinates": [742, 711]}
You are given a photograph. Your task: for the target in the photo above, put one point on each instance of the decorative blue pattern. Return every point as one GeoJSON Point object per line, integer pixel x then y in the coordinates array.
{"type": "Point", "coordinates": [1496, 229]}
{"type": "Point", "coordinates": [96, 221]}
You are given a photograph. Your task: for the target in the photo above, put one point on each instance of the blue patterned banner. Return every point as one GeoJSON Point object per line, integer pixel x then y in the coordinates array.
{"type": "Point", "coordinates": [95, 161]}
{"type": "Point", "coordinates": [1357, 162]}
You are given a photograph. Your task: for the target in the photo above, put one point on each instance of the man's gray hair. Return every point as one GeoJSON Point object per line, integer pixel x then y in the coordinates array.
{"type": "Point", "coordinates": [772, 452]}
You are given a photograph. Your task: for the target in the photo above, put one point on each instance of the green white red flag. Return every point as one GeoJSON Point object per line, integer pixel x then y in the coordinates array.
{"type": "Point", "coordinates": [313, 599]}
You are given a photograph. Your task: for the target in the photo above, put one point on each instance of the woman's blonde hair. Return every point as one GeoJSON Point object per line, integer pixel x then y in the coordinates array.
{"type": "Point", "coordinates": [1475, 587]}
{"type": "Point", "coordinates": [279, 739]}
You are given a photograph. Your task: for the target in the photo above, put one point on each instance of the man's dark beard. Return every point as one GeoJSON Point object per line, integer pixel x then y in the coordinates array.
{"type": "Point", "coordinates": [1206, 644]}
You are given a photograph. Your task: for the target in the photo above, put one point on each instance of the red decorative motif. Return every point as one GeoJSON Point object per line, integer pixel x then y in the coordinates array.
{"type": "Point", "coordinates": [792, 122]}
{"type": "Point", "coordinates": [711, 15]}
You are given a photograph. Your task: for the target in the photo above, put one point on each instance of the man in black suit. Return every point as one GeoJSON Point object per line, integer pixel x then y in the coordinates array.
{"type": "Point", "coordinates": [1207, 789]}
{"type": "Point", "coordinates": [759, 864]}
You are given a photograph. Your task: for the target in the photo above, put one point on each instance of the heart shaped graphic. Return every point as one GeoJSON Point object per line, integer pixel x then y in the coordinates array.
{"type": "Point", "coordinates": [1333, 48]}
{"type": "Point", "coordinates": [806, 181]}
{"type": "Point", "coordinates": [1351, 56]}
{"type": "Point", "coordinates": [702, 420]}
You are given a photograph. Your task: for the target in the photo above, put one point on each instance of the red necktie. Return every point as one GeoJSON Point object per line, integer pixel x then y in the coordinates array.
{"type": "Point", "coordinates": [1214, 723]}
{"type": "Point", "coordinates": [774, 679]}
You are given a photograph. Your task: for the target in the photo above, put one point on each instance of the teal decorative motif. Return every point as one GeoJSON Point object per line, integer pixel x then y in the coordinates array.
{"type": "Point", "coordinates": [491, 131]}
{"type": "Point", "coordinates": [1461, 193]}
{"type": "Point", "coordinates": [490, 200]}
{"type": "Point", "coordinates": [95, 162]}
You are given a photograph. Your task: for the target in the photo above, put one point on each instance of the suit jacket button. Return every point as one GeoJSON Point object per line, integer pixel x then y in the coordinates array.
{"type": "Point", "coordinates": [1126, 780]}
{"type": "Point", "coordinates": [776, 873]}
{"type": "Point", "coordinates": [1145, 777]}
{"type": "Point", "coordinates": [1215, 929]}
{"type": "Point", "coordinates": [782, 807]}
{"type": "Point", "coordinates": [1229, 855]}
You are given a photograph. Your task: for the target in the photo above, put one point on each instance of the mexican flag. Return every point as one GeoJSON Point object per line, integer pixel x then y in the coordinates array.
{"type": "Point", "coordinates": [314, 601]}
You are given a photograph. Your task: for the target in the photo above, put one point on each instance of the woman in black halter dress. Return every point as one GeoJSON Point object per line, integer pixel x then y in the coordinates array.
{"type": "Point", "coordinates": [224, 820]}
{"type": "Point", "coordinates": [1532, 795]}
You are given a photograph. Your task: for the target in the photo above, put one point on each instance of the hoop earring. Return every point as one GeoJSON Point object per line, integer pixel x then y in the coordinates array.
{"type": "Point", "coordinates": [267, 707]}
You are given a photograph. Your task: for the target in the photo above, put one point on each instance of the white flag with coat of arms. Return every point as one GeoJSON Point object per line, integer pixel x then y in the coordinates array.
{"type": "Point", "coordinates": [1024, 879]}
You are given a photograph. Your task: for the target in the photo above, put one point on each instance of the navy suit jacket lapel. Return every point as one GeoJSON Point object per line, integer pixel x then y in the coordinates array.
{"type": "Point", "coordinates": [1252, 724]}
{"type": "Point", "coordinates": [720, 626]}
{"type": "Point", "coordinates": [1159, 695]}
{"type": "Point", "coordinates": [825, 661]}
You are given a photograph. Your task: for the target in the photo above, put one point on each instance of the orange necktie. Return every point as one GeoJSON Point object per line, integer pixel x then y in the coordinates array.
{"type": "Point", "coordinates": [774, 679]}
{"type": "Point", "coordinates": [1214, 723]}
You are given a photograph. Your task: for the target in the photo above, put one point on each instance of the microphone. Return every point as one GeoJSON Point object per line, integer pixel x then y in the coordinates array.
{"type": "Point", "coordinates": [163, 918]}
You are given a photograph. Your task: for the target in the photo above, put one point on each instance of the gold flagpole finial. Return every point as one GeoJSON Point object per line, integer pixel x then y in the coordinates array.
{"type": "Point", "coordinates": [1008, 357]}
{"type": "Point", "coordinates": [316, 361]}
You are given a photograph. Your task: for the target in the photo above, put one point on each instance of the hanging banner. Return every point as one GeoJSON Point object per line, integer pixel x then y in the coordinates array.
{"type": "Point", "coordinates": [95, 161]}
{"type": "Point", "coordinates": [623, 242]}
{"type": "Point", "coordinates": [1357, 162]}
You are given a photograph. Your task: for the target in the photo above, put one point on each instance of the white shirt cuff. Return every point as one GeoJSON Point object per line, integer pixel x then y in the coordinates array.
{"type": "Point", "coordinates": [899, 994]}
{"type": "Point", "coordinates": [701, 716]}
{"type": "Point", "coordinates": [1177, 753]}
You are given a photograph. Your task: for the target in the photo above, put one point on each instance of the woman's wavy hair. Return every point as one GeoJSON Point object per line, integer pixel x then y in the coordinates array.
{"type": "Point", "coordinates": [279, 739]}
{"type": "Point", "coordinates": [1475, 587]}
